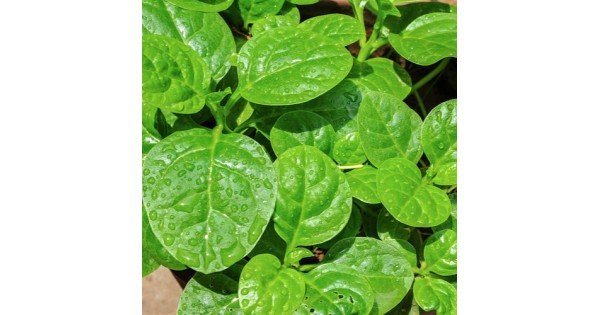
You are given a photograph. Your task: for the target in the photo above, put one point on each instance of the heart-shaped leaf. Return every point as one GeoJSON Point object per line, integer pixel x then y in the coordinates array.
{"type": "Point", "coordinates": [208, 196]}
{"type": "Point", "coordinates": [313, 200]}
{"type": "Point", "coordinates": [440, 253]}
{"type": "Point", "coordinates": [438, 137]}
{"type": "Point", "coordinates": [363, 184]}
{"type": "Point", "coordinates": [268, 288]}
{"type": "Point", "coordinates": [407, 197]}
{"type": "Point", "coordinates": [203, 5]}
{"type": "Point", "coordinates": [286, 65]}
{"type": "Point", "coordinates": [435, 294]}
{"type": "Point", "coordinates": [302, 127]}
{"type": "Point", "coordinates": [388, 128]}
{"type": "Point", "coordinates": [341, 28]}
{"type": "Point", "coordinates": [174, 77]}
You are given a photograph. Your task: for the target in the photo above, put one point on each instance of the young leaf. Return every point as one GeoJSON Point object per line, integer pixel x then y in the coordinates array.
{"type": "Point", "coordinates": [254, 10]}
{"type": "Point", "coordinates": [286, 66]}
{"type": "Point", "coordinates": [272, 21]}
{"type": "Point", "coordinates": [428, 39]}
{"type": "Point", "coordinates": [435, 294]}
{"type": "Point", "coordinates": [407, 197]}
{"type": "Point", "coordinates": [203, 5]}
{"type": "Point", "coordinates": [347, 149]}
{"type": "Point", "coordinates": [206, 33]}
{"type": "Point", "coordinates": [440, 253]}
{"type": "Point", "coordinates": [302, 127]}
{"type": "Point", "coordinates": [208, 196]}
{"type": "Point", "coordinates": [388, 128]}
{"type": "Point", "coordinates": [155, 249]}
{"type": "Point", "coordinates": [389, 274]}
{"type": "Point", "coordinates": [438, 137]}
{"type": "Point", "coordinates": [381, 75]}
{"type": "Point", "coordinates": [341, 28]}
{"type": "Point", "coordinates": [350, 230]}
{"type": "Point", "coordinates": [174, 77]}
{"type": "Point", "coordinates": [210, 294]}
{"type": "Point", "coordinates": [336, 290]}
{"type": "Point", "coordinates": [363, 184]}
{"type": "Point", "coordinates": [268, 288]}
{"type": "Point", "coordinates": [313, 200]}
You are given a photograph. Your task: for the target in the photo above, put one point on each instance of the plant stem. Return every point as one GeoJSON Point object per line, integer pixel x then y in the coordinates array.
{"type": "Point", "coordinates": [247, 123]}
{"type": "Point", "coordinates": [360, 16]}
{"type": "Point", "coordinates": [350, 167]}
{"type": "Point", "coordinates": [421, 104]}
{"type": "Point", "coordinates": [237, 94]}
{"type": "Point", "coordinates": [430, 75]}
{"type": "Point", "coordinates": [215, 110]}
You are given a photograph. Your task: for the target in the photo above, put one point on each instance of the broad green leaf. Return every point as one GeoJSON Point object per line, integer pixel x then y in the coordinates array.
{"type": "Point", "coordinates": [209, 196]}
{"type": "Point", "coordinates": [313, 199]}
{"type": "Point", "coordinates": [350, 230]}
{"type": "Point", "coordinates": [148, 262]}
{"type": "Point", "coordinates": [272, 21]}
{"type": "Point", "coordinates": [440, 253]}
{"type": "Point", "coordinates": [266, 287]}
{"type": "Point", "coordinates": [155, 249]}
{"type": "Point", "coordinates": [435, 294]}
{"type": "Point", "coordinates": [203, 5]}
{"type": "Point", "coordinates": [269, 243]}
{"type": "Point", "coordinates": [341, 28]}
{"type": "Point", "coordinates": [408, 251]}
{"type": "Point", "coordinates": [210, 294]}
{"type": "Point", "coordinates": [287, 65]}
{"type": "Point", "coordinates": [438, 137]}
{"type": "Point", "coordinates": [336, 290]}
{"type": "Point", "coordinates": [381, 75]}
{"type": "Point", "coordinates": [451, 223]}
{"type": "Point", "coordinates": [303, 2]}
{"type": "Point", "coordinates": [253, 10]}
{"type": "Point", "coordinates": [389, 229]}
{"type": "Point", "coordinates": [427, 39]}
{"type": "Point", "coordinates": [407, 197]}
{"type": "Point", "coordinates": [206, 33]}
{"type": "Point", "coordinates": [389, 274]}
{"type": "Point", "coordinates": [290, 10]}
{"type": "Point", "coordinates": [294, 256]}
{"type": "Point", "coordinates": [363, 184]}
{"type": "Point", "coordinates": [347, 149]}
{"type": "Point", "coordinates": [150, 134]}
{"type": "Point", "coordinates": [174, 77]}
{"type": "Point", "coordinates": [302, 127]}
{"type": "Point", "coordinates": [408, 13]}
{"type": "Point", "coordinates": [388, 128]}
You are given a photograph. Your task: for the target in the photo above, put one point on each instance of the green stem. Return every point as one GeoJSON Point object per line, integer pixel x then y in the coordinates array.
{"type": "Point", "coordinates": [215, 110]}
{"type": "Point", "coordinates": [360, 16]}
{"type": "Point", "coordinates": [350, 167]}
{"type": "Point", "coordinates": [237, 94]}
{"type": "Point", "coordinates": [440, 67]}
{"type": "Point", "coordinates": [421, 104]}
{"type": "Point", "coordinates": [247, 123]}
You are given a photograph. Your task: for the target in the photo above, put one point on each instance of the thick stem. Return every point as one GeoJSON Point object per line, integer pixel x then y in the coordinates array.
{"type": "Point", "coordinates": [215, 110]}
{"type": "Point", "coordinates": [440, 67]}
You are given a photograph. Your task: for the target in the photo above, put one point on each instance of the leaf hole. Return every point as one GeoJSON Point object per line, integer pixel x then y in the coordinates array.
{"type": "Point", "coordinates": [312, 310]}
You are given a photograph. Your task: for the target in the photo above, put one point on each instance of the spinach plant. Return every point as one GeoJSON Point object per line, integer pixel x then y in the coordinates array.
{"type": "Point", "coordinates": [265, 141]}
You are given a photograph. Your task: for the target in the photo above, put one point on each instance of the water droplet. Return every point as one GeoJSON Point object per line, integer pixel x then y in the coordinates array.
{"type": "Point", "coordinates": [245, 302]}
{"type": "Point", "coordinates": [171, 226]}
{"type": "Point", "coordinates": [229, 192]}
{"type": "Point", "coordinates": [244, 208]}
{"type": "Point", "coordinates": [146, 171]}
{"type": "Point", "coordinates": [153, 215]}
{"type": "Point", "coordinates": [168, 182]}
{"type": "Point", "coordinates": [181, 173]}
{"type": "Point", "coordinates": [267, 184]}
{"type": "Point", "coordinates": [245, 291]}
{"type": "Point", "coordinates": [151, 180]}
{"type": "Point", "coordinates": [188, 257]}
{"type": "Point", "coordinates": [189, 166]}
{"type": "Point", "coordinates": [440, 145]}
{"type": "Point", "coordinates": [169, 239]}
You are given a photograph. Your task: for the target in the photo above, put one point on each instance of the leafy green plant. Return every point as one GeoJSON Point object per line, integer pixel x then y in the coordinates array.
{"type": "Point", "coordinates": [265, 139]}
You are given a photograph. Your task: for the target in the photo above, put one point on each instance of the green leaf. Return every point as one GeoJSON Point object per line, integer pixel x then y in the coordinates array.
{"type": "Point", "coordinates": [253, 10]}
{"type": "Point", "coordinates": [148, 262]}
{"type": "Point", "coordinates": [388, 128]}
{"type": "Point", "coordinates": [435, 294]}
{"type": "Point", "coordinates": [313, 199]}
{"type": "Point", "coordinates": [389, 274]}
{"type": "Point", "coordinates": [347, 149]}
{"type": "Point", "coordinates": [174, 77]}
{"type": "Point", "coordinates": [341, 28]}
{"type": "Point", "coordinates": [209, 196]}
{"type": "Point", "coordinates": [203, 5]}
{"type": "Point", "coordinates": [269, 243]}
{"type": "Point", "coordinates": [286, 66]}
{"type": "Point", "coordinates": [291, 11]}
{"type": "Point", "coordinates": [438, 136]}
{"type": "Point", "coordinates": [155, 249]}
{"type": "Point", "coordinates": [150, 134]}
{"type": "Point", "coordinates": [408, 13]}
{"type": "Point", "coordinates": [451, 223]}
{"type": "Point", "coordinates": [295, 255]}
{"type": "Point", "coordinates": [428, 39]}
{"type": "Point", "coordinates": [303, 2]}
{"type": "Point", "coordinates": [210, 294]}
{"type": "Point", "coordinates": [381, 75]}
{"type": "Point", "coordinates": [350, 230]}
{"type": "Point", "coordinates": [440, 253]}
{"type": "Point", "coordinates": [302, 127]}
{"type": "Point", "coordinates": [206, 33]}
{"type": "Point", "coordinates": [272, 21]}
{"type": "Point", "coordinates": [363, 184]}
{"type": "Point", "coordinates": [268, 288]}
{"type": "Point", "coordinates": [389, 229]}
{"type": "Point", "coordinates": [336, 290]}
{"type": "Point", "coordinates": [407, 197]}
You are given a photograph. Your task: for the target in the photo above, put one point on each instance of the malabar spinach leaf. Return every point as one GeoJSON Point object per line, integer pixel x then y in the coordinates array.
{"type": "Point", "coordinates": [440, 253]}
{"type": "Point", "coordinates": [435, 294]}
{"type": "Point", "coordinates": [342, 29]}
{"type": "Point", "coordinates": [438, 137]}
{"type": "Point", "coordinates": [254, 10]}
{"type": "Point", "coordinates": [214, 293]}
{"type": "Point", "coordinates": [363, 184]}
{"type": "Point", "coordinates": [302, 127]}
{"type": "Point", "coordinates": [203, 5]}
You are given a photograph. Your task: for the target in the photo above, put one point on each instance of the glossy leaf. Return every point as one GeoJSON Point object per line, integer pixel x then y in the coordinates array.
{"type": "Point", "coordinates": [435, 294]}
{"type": "Point", "coordinates": [428, 39]}
{"type": "Point", "coordinates": [350, 230]}
{"type": "Point", "coordinates": [440, 253]}
{"type": "Point", "coordinates": [286, 66]}
{"type": "Point", "coordinates": [266, 287]}
{"type": "Point", "coordinates": [336, 290]}
{"type": "Point", "coordinates": [407, 197]}
{"type": "Point", "coordinates": [155, 249]}
{"type": "Point", "coordinates": [206, 33]}
{"type": "Point", "coordinates": [347, 149]}
{"type": "Point", "coordinates": [389, 274]}
{"type": "Point", "coordinates": [290, 10]}
{"type": "Point", "coordinates": [150, 134]}
{"type": "Point", "coordinates": [438, 137]}
{"type": "Point", "coordinates": [313, 199]}
{"type": "Point", "coordinates": [203, 5]}
{"type": "Point", "coordinates": [363, 184]}
{"type": "Point", "coordinates": [381, 75]}
{"type": "Point", "coordinates": [253, 10]}
{"type": "Point", "coordinates": [149, 265]}
{"type": "Point", "coordinates": [303, 2]}
{"type": "Point", "coordinates": [408, 13]}
{"type": "Point", "coordinates": [269, 243]}
{"type": "Point", "coordinates": [272, 21]}
{"type": "Point", "coordinates": [302, 127]}
{"type": "Point", "coordinates": [174, 77]}
{"type": "Point", "coordinates": [389, 229]}
{"type": "Point", "coordinates": [341, 28]}
{"type": "Point", "coordinates": [209, 196]}
{"type": "Point", "coordinates": [451, 223]}
{"type": "Point", "coordinates": [388, 128]}
{"type": "Point", "coordinates": [210, 294]}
